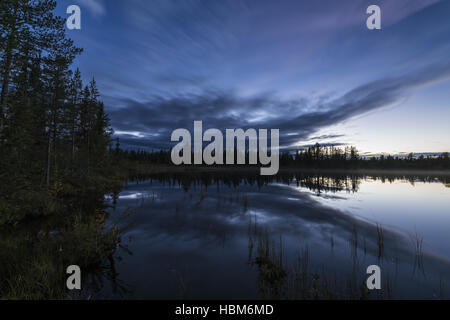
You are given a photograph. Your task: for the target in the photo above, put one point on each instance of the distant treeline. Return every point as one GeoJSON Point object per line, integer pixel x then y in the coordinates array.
{"type": "Point", "coordinates": [317, 157]}
{"type": "Point", "coordinates": [349, 158]}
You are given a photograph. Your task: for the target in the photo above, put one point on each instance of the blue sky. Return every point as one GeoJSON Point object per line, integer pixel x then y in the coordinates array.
{"type": "Point", "coordinates": [309, 68]}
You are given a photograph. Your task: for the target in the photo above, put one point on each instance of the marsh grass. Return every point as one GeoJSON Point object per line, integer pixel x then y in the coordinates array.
{"type": "Point", "coordinates": [354, 241]}
{"type": "Point", "coordinates": [441, 288]}
{"type": "Point", "coordinates": [418, 253]}
{"type": "Point", "coordinates": [182, 285]}
{"type": "Point", "coordinates": [332, 242]}
{"type": "Point", "coordinates": [270, 265]}
{"type": "Point", "coordinates": [251, 240]}
{"type": "Point", "coordinates": [388, 286]}
{"type": "Point", "coordinates": [364, 246]}
{"type": "Point", "coordinates": [33, 264]}
{"type": "Point", "coordinates": [281, 279]}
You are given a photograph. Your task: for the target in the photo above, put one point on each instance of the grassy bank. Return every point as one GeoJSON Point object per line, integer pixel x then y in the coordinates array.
{"type": "Point", "coordinates": [34, 259]}
{"type": "Point", "coordinates": [44, 229]}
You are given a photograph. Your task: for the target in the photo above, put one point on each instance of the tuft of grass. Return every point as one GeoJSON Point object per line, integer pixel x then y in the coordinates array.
{"type": "Point", "coordinates": [354, 241]}
{"type": "Point", "coordinates": [418, 253]}
{"type": "Point", "coordinates": [270, 266]}
{"type": "Point", "coordinates": [245, 202]}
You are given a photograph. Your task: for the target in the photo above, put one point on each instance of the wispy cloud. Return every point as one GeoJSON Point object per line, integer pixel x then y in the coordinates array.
{"type": "Point", "coordinates": [96, 7]}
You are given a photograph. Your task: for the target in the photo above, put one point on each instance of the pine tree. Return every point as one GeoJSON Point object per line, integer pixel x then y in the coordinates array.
{"type": "Point", "coordinates": [52, 131]}
{"type": "Point", "coordinates": [73, 113]}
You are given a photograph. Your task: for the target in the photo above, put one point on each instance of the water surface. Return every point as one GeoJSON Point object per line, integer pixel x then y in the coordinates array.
{"type": "Point", "coordinates": [186, 236]}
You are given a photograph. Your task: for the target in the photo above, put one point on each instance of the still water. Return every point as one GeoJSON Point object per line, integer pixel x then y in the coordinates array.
{"type": "Point", "coordinates": [202, 237]}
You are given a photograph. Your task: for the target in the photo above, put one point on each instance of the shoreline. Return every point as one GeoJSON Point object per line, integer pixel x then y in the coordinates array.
{"type": "Point", "coordinates": [152, 168]}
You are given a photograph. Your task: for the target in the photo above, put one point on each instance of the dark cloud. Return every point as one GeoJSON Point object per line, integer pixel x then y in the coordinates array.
{"type": "Point", "coordinates": [156, 119]}
{"type": "Point", "coordinates": [323, 144]}
{"type": "Point", "coordinates": [327, 136]}
{"type": "Point", "coordinates": [368, 97]}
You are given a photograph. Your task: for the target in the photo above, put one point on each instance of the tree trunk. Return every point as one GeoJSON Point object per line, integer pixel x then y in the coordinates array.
{"type": "Point", "coordinates": [49, 148]}
{"type": "Point", "coordinates": [73, 146]}
{"type": "Point", "coordinates": [88, 152]}
{"type": "Point", "coordinates": [7, 69]}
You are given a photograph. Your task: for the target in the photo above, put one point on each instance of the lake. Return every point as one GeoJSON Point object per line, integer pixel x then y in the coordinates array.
{"type": "Point", "coordinates": [294, 236]}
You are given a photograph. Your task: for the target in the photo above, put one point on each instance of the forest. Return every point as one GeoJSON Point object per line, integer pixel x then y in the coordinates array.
{"type": "Point", "coordinates": [54, 159]}
{"type": "Point", "coordinates": [315, 157]}
{"type": "Point", "coordinates": [54, 132]}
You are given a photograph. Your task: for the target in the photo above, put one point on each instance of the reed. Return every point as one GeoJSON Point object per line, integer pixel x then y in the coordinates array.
{"type": "Point", "coordinates": [418, 253]}
{"type": "Point", "coordinates": [380, 241]}
{"type": "Point", "coordinates": [245, 202]}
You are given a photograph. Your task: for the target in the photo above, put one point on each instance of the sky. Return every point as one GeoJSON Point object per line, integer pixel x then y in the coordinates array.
{"type": "Point", "coordinates": [309, 68]}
